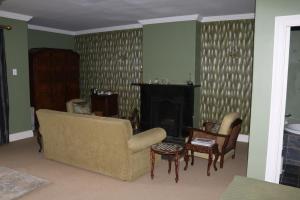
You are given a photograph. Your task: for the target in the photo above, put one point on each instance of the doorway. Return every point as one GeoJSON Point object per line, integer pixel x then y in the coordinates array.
{"type": "Point", "coordinates": [283, 25]}
{"type": "Point", "coordinates": [290, 173]}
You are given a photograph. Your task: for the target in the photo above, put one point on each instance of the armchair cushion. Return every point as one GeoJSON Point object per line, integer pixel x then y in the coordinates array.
{"type": "Point", "coordinates": [79, 106]}
{"type": "Point", "coordinates": [82, 108]}
{"type": "Point", "coordinates": [144, 140]}
{"type": "Point", "coordinates": [227, 121]}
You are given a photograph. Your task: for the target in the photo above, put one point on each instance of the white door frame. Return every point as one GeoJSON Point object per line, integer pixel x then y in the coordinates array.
{"type": "Point", "coordinates": [283, 26]}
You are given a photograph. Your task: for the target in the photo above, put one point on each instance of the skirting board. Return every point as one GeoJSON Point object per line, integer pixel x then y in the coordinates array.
{"type": "Point", "coordinates": [243, 138]}
{"type": "Point", "coordinates": [20, 136]}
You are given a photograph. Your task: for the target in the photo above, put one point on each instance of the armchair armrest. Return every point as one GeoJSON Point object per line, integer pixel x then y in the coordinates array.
{"type": "Point", "coordinates": [145, 139]}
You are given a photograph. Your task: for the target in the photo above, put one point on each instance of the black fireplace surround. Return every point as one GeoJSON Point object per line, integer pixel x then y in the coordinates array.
{"type": "Point", "coordinates": [170, 107]}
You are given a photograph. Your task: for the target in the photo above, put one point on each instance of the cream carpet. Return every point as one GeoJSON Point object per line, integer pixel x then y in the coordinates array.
{"type": "Point", "coordinates": [14, 184]}
{"type": "Point", "coordinates": [70, 183]}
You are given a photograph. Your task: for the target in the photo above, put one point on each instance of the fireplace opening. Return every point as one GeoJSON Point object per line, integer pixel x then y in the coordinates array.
{"type": "Point", "coordinates": [167, 114]}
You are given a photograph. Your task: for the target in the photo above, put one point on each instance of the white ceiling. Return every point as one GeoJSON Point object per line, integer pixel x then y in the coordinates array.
{"type": "Point", "coordinates": [75, 15]}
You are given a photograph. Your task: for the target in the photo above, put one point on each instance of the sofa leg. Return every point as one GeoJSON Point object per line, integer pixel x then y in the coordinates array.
{"type": "Point", "coordinates": [39, 141]}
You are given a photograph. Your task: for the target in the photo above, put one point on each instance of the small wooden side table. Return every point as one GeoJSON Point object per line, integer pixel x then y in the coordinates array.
{"type": "Point", "coordinates": [210, 150]}
{"type": "Point", "coordinates": [172, 151]}
{"type": "Point", "coordinates": [107, 104]}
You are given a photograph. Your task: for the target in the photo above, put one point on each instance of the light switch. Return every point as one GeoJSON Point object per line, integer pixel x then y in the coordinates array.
{"type": "Point", "coordinates": [14, 72]}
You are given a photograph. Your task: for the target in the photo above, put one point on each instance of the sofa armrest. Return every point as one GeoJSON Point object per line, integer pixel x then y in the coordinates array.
{"type": "Point", "coordinates": [145, 139]}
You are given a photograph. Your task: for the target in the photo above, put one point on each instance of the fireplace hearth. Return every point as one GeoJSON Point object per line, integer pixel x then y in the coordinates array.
{"type": "Point", "coordinates": [170, 107]}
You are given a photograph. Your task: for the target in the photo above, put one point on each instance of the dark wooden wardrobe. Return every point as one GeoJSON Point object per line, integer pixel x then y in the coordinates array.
{"type": "Point", "coordinates": [54, 78]}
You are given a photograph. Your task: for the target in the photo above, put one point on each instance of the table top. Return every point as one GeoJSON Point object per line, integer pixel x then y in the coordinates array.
{"type": "Point", "coordinates": [167, 148]}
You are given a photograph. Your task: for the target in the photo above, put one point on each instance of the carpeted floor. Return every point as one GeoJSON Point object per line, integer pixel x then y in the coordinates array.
{"type": "Point", "coordinates": [68, 182]}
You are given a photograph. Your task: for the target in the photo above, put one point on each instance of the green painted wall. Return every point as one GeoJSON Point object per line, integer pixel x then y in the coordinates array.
{"type": "Point", "coordinates": [169, 51]}
{"type": "Point", "coordinates": [17, 57]}
{"type": "Point", "coordinates": [266, 10]}
{"type": "Point", "coordinates": [39, 39]}
{"type": "Point", "coordinates": [293, 88]}
{"type": "Point", "coordinates": [197, 76]}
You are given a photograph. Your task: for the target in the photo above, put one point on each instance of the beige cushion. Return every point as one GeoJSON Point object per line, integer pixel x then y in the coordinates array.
{"type": "Point", "coordinates": [81, 108]}
{"type": "Point", "coordinates": [227, 121]}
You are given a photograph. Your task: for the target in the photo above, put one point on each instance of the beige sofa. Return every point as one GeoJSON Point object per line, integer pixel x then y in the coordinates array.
{"type": "Point", "coordinates": [99, 144]}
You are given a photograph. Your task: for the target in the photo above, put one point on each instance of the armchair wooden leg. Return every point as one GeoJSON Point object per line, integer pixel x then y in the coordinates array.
{"type": "Point", "coordinates": [222, 160]}
{"type": "Point", "coordinates": [216, 154]}
{"type": "Point", "coordinates": [233, 156]}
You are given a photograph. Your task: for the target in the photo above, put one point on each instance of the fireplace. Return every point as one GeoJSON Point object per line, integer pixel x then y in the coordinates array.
{"type": "Point", "coordinates": [170, 107]}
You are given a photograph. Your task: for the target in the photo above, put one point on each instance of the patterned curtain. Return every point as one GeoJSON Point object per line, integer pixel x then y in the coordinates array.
{"type": "Point", "coordinates": [112, 61]}
{"type": "Point", "coordinates": [226, 70]}
{"type": "Point", "coordinates": [4, 123]}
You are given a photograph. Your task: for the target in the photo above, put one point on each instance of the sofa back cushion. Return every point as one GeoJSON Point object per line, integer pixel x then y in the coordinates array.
{"type": "Point", "coordinates": [91, 142]}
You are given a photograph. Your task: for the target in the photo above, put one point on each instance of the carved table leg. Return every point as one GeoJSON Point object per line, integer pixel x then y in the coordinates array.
{"type": "Point", "coordinates": [186, 159]}
{"type": "Point", "coordinates": [209, 162]}
{"type": "Point", "coordinates": [176, 166]}
{"type": "Point", "coordinates": [192, 155]}
{"type": "Point", "coordinates": [39, 141]}
{"type": "Point", "coordinates": [152, 157]}
{"type": "Point", "coordinates": [170, 165]}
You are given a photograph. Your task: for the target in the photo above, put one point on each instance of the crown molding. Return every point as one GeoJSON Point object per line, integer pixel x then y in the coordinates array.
{"type": "Point", "coordinates": [48, 29]}
{"type": "Point", "coordinates": [169, 19]}
{"type": "Point", "coordinates": [108, 29]}
{"type": "Point", "coordinates": [17, 16]}
{"type": "Point", "coordinates": [145, 22]}
{"type": "Point", "coordinates": [228, 17]}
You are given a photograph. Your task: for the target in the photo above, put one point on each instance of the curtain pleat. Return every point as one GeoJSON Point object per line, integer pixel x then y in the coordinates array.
{"type": "Point", "coordinates": [4, 109]}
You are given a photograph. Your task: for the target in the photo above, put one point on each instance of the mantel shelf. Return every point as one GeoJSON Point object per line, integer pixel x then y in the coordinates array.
{"type": "Point", "coordinates": [165, 85]}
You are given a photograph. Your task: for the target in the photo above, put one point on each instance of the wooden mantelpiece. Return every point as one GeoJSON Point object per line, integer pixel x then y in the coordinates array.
{"type": "Point", "coordinates": [165, 85]}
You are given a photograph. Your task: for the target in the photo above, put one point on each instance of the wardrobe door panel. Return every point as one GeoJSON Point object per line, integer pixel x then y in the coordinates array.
{"type": "Point", "coordinates": [72, 76]}
{"type": "Point", "coordinates": [54, 78]}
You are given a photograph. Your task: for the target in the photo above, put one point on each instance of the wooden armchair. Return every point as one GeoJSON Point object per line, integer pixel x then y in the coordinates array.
{"type": "Point", "coordinates": [225, 137]}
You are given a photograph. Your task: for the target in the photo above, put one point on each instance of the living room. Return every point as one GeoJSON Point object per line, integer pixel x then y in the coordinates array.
{"type": "Point", "coordinates": [209, 49]}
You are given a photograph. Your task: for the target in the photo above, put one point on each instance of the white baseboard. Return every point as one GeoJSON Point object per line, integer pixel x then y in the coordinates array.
{"type": "Point", "coordinates": [243, 138]}
{"type": "Point", "coordinates": [20, 135]}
